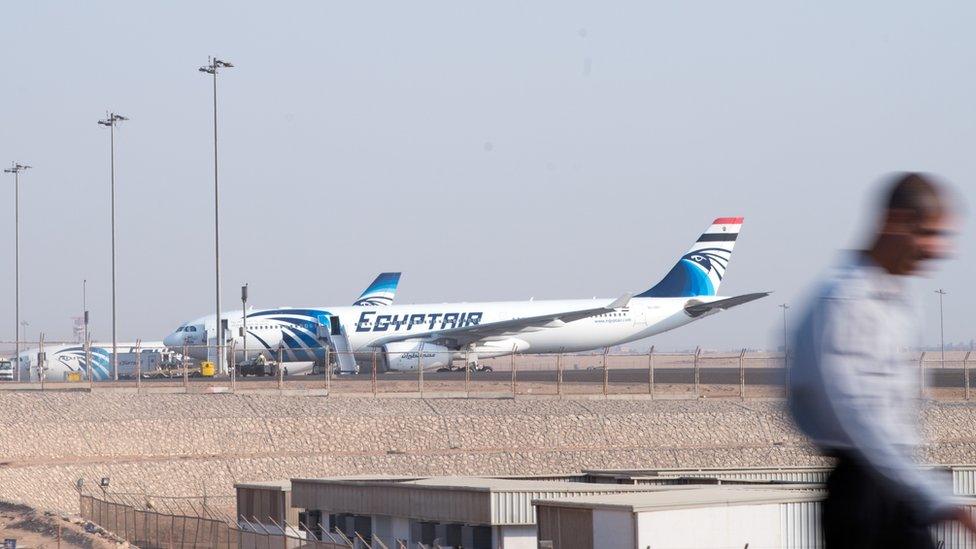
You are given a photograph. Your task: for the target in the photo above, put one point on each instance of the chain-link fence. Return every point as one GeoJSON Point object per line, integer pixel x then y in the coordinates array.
{"type": "Point", "coordinates": [434, 371]}
{"type": "Point", "coordinates": [152, 528]}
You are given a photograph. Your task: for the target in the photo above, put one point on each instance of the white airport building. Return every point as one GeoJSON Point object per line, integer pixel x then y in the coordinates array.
{"type": "Point", "coordinates": [665, 508]}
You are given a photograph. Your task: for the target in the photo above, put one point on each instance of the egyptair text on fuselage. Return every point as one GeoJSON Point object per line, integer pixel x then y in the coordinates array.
{"type": "Point", "coordinates": [371, 321]}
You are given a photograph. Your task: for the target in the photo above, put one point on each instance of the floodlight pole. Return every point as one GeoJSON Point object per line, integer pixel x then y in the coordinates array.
{"type": "Point", "coordinates": [244, 318]}
{"type": "Point", "coordinates": [15, 169]}
{"type": "Point", "coordinates": [212, 67]}
{"type": "Point", "coordinates": [110, 121]}
{"type": "Point", "coordinates": [84, 304]}
{"type": "Point", "coordinates": [941, 293]}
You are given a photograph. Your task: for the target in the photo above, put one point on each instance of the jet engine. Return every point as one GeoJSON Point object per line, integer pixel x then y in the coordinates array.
{"type": "Point", "coordinates": [407, 355]}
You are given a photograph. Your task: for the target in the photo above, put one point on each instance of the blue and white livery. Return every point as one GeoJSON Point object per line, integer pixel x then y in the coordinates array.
{"type": "Point", "coordinates": [408, 337]}
{"type": "Point", "coordinates": [381, 291]}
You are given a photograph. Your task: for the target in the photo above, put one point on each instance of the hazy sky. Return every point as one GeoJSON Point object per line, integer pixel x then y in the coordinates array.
{"type": "Point", "coordinates": [490, 151]}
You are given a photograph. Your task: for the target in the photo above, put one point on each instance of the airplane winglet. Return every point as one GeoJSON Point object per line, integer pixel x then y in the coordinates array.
{"type": "Point", "coordinates": [696, 308]}
{"type": "Point", "coordinates": [620, 302]}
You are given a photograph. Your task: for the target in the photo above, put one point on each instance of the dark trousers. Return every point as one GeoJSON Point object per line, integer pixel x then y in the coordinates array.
{"type": "Point", "coordinates": [862, 513]}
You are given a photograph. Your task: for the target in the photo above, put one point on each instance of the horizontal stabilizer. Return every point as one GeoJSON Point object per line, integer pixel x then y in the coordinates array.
{"type": "Point", "coordinates": [697, 308]}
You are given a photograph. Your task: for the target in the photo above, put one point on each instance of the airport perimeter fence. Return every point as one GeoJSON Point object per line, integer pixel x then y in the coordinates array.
{"type": "Point", "coordinates": [436, 372]}
{"type": "Point", "coordinates": [150, 528]}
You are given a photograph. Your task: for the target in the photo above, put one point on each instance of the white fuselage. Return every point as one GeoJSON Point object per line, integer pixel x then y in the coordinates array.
{"type": "Point", "coordinates": [295, 330]}
{"type": "Point", "coordinates": [61, 360]}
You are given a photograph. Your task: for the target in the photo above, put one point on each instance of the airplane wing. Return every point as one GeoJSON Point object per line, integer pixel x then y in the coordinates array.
{"type": "Point", "coordinates": [458, 337]}
{"type": "Point", "coordinates": [697, 308]}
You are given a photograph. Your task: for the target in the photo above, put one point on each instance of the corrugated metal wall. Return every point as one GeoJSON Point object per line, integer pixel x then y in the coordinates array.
{"type": "Point", "coordinates": [801, 528]}
{"type": "Point", "coordinates": [964, 481]}
{"type": "Point", "coordinates": [517, 508]}
{"type": "Point", "coordinates": [566, 528]}
{"type": "Point", "coordinates": [800, 525]}
{"type": "Point", "coordinates": [953, 536]}
{"type": "Point", "coordinates": [803, 476]}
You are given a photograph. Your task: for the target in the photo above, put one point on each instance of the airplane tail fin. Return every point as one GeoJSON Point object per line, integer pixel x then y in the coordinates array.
{"type": "Point", "coordinates": [699, 272]}
{"type": "Point", "coordinates": [381, 291]}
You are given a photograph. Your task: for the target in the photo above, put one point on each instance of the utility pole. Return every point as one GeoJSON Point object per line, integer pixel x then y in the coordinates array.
{"type": "Point", "coordinates": [212, 67]}
{"type": "Point", "coordinates": [111, 120]}
{"type": "Point", "coordinates": [84, 305]}
{"type": "Point", "coordinates": [244, 317]}
{"type": "Point", "coordinates": [941, 293]}
{"type": "Point", "coordinates": [15, 169]}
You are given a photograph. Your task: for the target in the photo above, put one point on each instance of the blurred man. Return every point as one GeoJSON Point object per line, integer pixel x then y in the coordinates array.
{"type": "Point", "coordinates": [853, 390]}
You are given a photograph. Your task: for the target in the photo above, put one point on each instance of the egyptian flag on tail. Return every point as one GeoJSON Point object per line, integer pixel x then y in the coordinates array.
{"type": "Point", "coordinates": [700, 271]}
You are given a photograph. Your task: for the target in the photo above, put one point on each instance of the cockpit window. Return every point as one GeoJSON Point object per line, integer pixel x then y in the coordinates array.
{"type": "Point", "coordinates": [191, 328]}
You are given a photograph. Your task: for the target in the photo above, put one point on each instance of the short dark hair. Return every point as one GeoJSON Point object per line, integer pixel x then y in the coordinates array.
{"type": "Point", "coordinates": [916, 192]}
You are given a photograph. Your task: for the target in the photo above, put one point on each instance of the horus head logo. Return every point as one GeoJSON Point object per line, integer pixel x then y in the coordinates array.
{"type": "Point", "coordinates": [702, 261]}
{"type": "Point", "coordinates": [711, 260]}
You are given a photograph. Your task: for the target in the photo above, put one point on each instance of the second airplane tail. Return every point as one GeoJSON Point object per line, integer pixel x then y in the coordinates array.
{"type": "Point", "coordinates": [381, 291]}
{"type": "Point", "coordinates": [700, 271]}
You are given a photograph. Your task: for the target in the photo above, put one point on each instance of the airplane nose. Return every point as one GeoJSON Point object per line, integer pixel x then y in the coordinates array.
{"type": "Point", "coordinates": [171, 341]}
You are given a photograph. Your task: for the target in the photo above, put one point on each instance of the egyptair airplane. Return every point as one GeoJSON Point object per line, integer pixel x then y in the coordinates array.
{"type": "Point", "coordinates": [408, 337]}
{"type": "Point", "coordinates": [64, 359]}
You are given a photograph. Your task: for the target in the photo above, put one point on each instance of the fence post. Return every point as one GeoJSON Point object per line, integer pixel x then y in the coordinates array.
{"type": "Point", "coordinates": [559, 375]}
{"type": "Point", "coordinates": [420, 369]}
{"type": "Point", "coordinates": [697, 373]}
{"type": "Point", "coordinates": [88, 364]}
{"type": "Point", "coordinates": [183, 363]}
{"type": "Point", "coordinates": [514, 382]}
{"type": "Point", "coordinates": [328, 370]}
{"type": "Point", "coordinates": [921, 375]}
{"type": "Point", "coordinates": [281, 370]}
{"type": "Point", "coordinates": [965, 371]}
{"type": "Point", "coordinates": [42, 358]}
{"type": "Point", "coordinates": [742, 375]}
{"type": "Point", "coordinates": [373, 375]}
{"type": "Point", "coordinates": [138, 364]}
{"type": "Point", "coordinates": [650, 372]}
{"type": "Point", "coordinates": [606, 372]}
{"type": "Point", "coordinates": [233, 366]}
{"type": "Point", "coordinates": [786, 367]}
{"type": "Point", "coordinates": [467, 374]}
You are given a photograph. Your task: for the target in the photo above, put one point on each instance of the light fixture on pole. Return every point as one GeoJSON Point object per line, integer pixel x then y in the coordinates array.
{"type": "Point", "coordinates": [941, 293]}
{"type": "Point", "coordinates": [84, 306]}
{"type": "Point", "coordinates": [212, 67]}
{"type": "Point", "coordinates": [244, 318]}
{"type": "Point", "coordinates": [15, 169]}
{"type": "Point", "coordinates": [111, 120]}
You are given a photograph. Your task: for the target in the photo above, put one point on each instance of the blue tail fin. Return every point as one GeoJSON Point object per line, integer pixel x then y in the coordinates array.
{"type": "Point", "coordinates": [381, 291]}
{"type": "Point", "coordinates": [699, 272]}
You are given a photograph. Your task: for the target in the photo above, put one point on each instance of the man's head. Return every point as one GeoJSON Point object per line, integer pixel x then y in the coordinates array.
{"type": "Point", "coordinates": [916, 224]}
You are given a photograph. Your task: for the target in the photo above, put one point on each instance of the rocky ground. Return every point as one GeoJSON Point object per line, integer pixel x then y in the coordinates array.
{"type": "Point", "coordinates": [192, 444]}
{"type": "Point", "coordinates": [39, 530]}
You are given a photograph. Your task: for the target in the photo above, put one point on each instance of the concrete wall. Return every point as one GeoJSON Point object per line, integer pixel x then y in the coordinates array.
{"type": "Point", "coordinates": [190, 444]}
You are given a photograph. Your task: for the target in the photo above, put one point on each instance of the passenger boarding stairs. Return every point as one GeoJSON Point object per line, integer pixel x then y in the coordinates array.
{"type": "Point", "coordinates": [333, 335]}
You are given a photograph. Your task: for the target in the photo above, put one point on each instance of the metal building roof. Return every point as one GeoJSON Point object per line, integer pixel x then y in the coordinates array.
{"type": "Point", "coordinates": [467, 500]}
{"type": "Point", "coordinates": [685, 499]}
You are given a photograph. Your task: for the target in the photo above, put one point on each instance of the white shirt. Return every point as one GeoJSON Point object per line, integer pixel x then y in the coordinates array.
{"type": "Point", "coordinates": [853, 387]}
